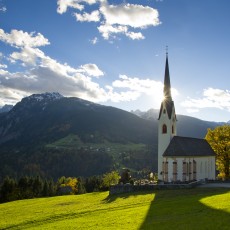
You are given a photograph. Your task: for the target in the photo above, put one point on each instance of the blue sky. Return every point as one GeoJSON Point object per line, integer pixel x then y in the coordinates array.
{"type": "Point", "coordinates": [113, 52]}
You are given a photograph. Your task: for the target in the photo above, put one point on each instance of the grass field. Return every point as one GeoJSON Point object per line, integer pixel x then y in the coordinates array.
{"type": "Point", "coordinates": [200, 208]}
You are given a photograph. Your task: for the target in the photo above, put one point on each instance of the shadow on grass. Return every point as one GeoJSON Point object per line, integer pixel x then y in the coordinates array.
{"type": "Point", "coordinates": [183, 209]}
{"type": "Point", "coordinates": [112, 198]}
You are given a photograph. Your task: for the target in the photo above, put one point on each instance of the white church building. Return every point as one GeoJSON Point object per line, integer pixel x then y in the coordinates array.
{"type": "Point", "coordinates": [180, 158]}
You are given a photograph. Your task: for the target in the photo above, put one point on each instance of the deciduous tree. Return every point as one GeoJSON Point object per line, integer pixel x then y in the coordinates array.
{"type": "Point", "coordinates": [111, 178]}
{"type": "Point", "coordinates": [219, 139]}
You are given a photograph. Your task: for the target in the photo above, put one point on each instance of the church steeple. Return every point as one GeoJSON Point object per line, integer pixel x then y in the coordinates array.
{"type": "Point", "coordinates": [167, 102]}
{"type": "Point", "coordinates": [167, 85]}
{"type": "Point", "coordinates": [166, 123]}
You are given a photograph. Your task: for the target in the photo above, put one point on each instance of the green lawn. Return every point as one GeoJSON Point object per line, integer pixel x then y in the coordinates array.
{"type": "Point", "coordinates": [172, 209]}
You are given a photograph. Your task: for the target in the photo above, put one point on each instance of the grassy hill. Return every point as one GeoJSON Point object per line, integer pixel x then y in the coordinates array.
{"type": "Point", "coordinates": [199, 208]}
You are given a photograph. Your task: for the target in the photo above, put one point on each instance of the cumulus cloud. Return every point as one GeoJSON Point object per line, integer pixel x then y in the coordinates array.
{"type": "Point", "coordinates": [19, 38]}
{"type": "Point", "coordinates": [88, 17]}
{"type": "Point", "coordinates": [114, 19]}
{"type": "Point", "coordinates": [76, 4]}
{"type": "Point", "coordinates": [121, 96]}
{"type": "Point", "coordinates": [45, 74]}
{"type": "Point", "coordinates": [134, 35]}
{"type": "Point", "coordinates": [136, 16]}
{"type": "Point", "coordinates": [3, 66]}
{"type": "Point", "coordinates": [107, 30]}
{"type": "Point", "coordinates": [212, 98]}
{"type": "Point", "coordinates": [64, 4]}
{"type": "Point", "coordinates": [144, 86]}
{"type": "Point", "coordinates": [91, 70]}
{"type": "Point", "coordinates": [27, 55]}
{"type": "Point", "coordinates": [10, 96]}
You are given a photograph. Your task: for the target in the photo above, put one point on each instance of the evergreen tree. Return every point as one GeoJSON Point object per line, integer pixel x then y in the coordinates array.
{"type": "Point", "coordinates": [80, 187]}
{"type": "Point", "coordinates": [37, 187]}
{"type": "Point", "coordinates": [8, 191]}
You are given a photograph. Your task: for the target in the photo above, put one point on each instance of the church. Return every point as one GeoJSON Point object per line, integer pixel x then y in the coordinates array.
{"type": "Point", "coordinates": [180, 159]}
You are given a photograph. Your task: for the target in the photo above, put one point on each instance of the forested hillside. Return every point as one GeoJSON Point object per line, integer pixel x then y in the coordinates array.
{"type": "Point", "coordinates": [50, 135]}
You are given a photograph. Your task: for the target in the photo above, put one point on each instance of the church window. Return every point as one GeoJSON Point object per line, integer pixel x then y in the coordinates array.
{"type": "Point", "coordinates": [190, 170]}
{"type": "Point", "coordinates": [166, 171]}
{"type": "Point", "coordinates": [184, 170]}
{"type": "Point", "coordinates": [205, 168]}
{"type": "Point", "coordinates": [164, 128]}
{"type": "Point", "coordinates": [174, 171]}
{"type": "Point", "coordinates": [194, 170]}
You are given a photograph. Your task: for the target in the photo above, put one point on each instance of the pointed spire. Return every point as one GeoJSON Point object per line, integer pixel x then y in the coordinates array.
{"type": "Point", "coordinates": [167, 85]}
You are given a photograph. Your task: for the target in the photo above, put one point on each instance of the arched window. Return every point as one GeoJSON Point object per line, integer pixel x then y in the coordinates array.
{"type": "Point", "coordinates": [164, 128]}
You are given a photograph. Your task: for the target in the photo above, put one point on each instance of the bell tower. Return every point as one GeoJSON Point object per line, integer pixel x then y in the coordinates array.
{"type": "Point", "coordinates": [166, 123]}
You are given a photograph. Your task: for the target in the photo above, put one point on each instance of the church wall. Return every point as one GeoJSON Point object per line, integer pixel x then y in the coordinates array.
{"type": "Point", "coordinates": [190, 168]}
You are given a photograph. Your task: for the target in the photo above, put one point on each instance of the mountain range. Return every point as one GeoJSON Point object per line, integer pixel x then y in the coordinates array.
{"type": "Point", "coordinates": [52, 135]}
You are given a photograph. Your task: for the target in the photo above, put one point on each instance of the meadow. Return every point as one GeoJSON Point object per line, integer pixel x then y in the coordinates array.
{"type": "Point", "coordinates": [199, 208]}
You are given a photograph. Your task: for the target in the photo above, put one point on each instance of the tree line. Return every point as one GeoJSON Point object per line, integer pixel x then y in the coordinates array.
{"type": "Point", "coordinates": [34, 187]}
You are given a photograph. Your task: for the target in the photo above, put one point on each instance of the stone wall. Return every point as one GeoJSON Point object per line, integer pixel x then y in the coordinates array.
{"type": "Point", "coordinates": [128, 188]}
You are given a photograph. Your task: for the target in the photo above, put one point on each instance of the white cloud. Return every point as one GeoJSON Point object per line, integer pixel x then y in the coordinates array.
{"type": "Point", "coordinates": [2, 72]}
{"type": "Point", "coordinates": [134, 35]}
{"type": "Point", "coordinates": [64, 4]}
{"type": "Point", "coordinates": [19, 38]}
{"type": "Point", "coordinates": [85, 17]}
{"type": "Point", "coordinates": [76, 4]}
{"type": "Point", "coordinates": [114, 19]}
{"type": "Point", "coordinates": [27, 55]}
{"type": "Point", "coordinates": [146, 86]}
{"type": "Point", "coordinates": [212, 98]}
{"type": "Point", "coordinates": [3, 66]}
{"type": "Point", "coordinates": [3, 9]}
{"type": "Point", "coordinates": [10, 96]}
{"type": "Point", "coordinates": [121, 96]}
{"type": "Point", "coordinates": [94, 41]}
{"type": "Point", "coordinates": [136, 16]}
{"type": "Point", "coordinates": [107, 30]}
{"type": "Point", "coordinates": [91, 70]}
{"type": "Point", "coordinates": [142, 87]}
{"type": "Point", "coordinates": [119, 19]}
{"type": "Point", "coordinates": [44, 74]}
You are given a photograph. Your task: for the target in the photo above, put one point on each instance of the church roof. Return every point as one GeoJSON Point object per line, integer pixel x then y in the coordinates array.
{"type": "Point", "coordinates": [167, 84]}
{"type": "Point", "coordinates": [187, 146]}
{"type": "Point", "coordinates": [169, 105]}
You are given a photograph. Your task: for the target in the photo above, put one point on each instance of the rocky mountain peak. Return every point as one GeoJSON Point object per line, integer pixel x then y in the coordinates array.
{"type": "Point", "coordinates": [6, 108]}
